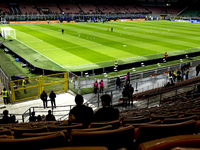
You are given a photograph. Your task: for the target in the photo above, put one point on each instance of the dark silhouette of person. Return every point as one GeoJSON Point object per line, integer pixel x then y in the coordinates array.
{"type": "Point", "coordinates": [52, 97]}
{"type": "Point", "coordinates": [32, 118]}
{"type": "Point", "coordinates": [107, 112]}
{"type": "Point", "coordinates": [50, 117]}
{"type": "Point", "coordinates": [43, 97]}
{"type": "Point", "coordinates": [62, 31]}
{"type": "Point", "coordinates": [81, 113]}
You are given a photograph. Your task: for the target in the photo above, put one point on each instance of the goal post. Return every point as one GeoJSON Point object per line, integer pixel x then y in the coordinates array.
{"type": "Point", "coordinates": [8, 33]}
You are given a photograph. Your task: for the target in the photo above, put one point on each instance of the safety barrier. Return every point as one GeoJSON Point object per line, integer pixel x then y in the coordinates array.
{"type": "Point", "coordinates": [34, 86]}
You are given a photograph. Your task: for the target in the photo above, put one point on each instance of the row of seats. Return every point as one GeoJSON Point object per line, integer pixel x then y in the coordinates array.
{"type": "Point", "coordinates": [54, 134]}
{"type": "Point", "coordinates": [87, 8]}
{"type": "Point", "coordinates": [156, 91]}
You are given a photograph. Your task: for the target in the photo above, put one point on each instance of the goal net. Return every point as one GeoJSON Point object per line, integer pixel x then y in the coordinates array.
{"type": "Point", "coordinates": [8, 33]}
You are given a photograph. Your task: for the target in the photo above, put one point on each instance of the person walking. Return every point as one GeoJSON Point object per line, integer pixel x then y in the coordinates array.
{"type": "Point", "coordinates": [101, 86]}
{"type": "Point", "coordinates": [52, 97]}
{"type": "Point", "coordinates": [43, 97]}
{"type": "Point", "coordinates": [4, 93]}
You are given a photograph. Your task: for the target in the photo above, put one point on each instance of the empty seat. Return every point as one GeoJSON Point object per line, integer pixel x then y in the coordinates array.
{"type": "Point", "coordinates": [27, 135]}
{"type": "Point", "coordinates": [112, 139]}
{"type": "Point", "coordinates": [155, 131]}
{"type": "Point", "coordinates": [177, 120]}
{"type": "Point", "coordinates": [19, 131]}
{"type": "Point", "coordinates": [35, 143]}
{"type": "Point", "coordinates": [114, 123]}
{"type": "Point", "coordinates": [172, 142]}
{"type": "Point", "coordinates": [80, 148]}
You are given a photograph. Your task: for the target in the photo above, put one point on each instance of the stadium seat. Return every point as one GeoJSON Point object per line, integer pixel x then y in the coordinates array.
{"type": "Point", "coordinates": [79, 148]}
{"type": "Point", "coordinates": [108, 127]}
{"type": "Point", "coordinates": [177, 120]}
{"type": "Point", "coordinates": [187, 141]}
{"type": "Point", "coordinates": [35, 143]}
{"type": "Point", "coordinates": [112, 139]}
{"type": "Point", "coordinates": [155, 131]}
{"type": "Point", "coordinates": [19, 131]}
{"type": "Point", "coordinates": [114, 123]}
{"type": "Point", "coordinates": [27, 135]}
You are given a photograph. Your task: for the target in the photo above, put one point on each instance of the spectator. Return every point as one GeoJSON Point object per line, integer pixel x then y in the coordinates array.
{"type": "Point", "coordinates": [6, 119]}
{"type": "Point", "coordinates": [187, 73]}
{"type": "Point", "coordinates": [131, 91]}
{"type": "Point", "coordinates": [43, 97]}
{"type": "Point", "coordinates": [107, 112]}
{"type": "Point", "coordinates": [50, 117]}
{"type": "Point", "coordinates": [81, 113]}
{"type": "Point", "coordinates": [126, 96]}
{"type": "Point", "coordinates": [128, 78]}
{"type": "Point", "coordinates": [32, 118]}
{"type": "Point", "coordinates": [118, 83]}
{"type": "Point", "coordinates": [52, 97]}
{"type": "Point", "coordinates": [101, 86]}
{"type": "Point", "coordinates": [197, 69]}
{"type": "Point", "coordinates": [4, 92]}
{"type": "Point", "coordinates": [96, 87]}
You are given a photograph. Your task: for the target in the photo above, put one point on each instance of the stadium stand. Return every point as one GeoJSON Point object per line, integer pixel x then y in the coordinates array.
{"type": "Point", "coordinates": [174, 124]}
{"type": "Point", "coordinates": [28, 8]}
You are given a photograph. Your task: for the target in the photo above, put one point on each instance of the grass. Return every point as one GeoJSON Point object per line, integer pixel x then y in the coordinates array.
{"type": "Point", "coordinates": [89, 45]}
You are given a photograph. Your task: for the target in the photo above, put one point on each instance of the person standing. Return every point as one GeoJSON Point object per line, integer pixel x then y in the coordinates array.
{"type": "Point", "coordinates": [107, 28]}
{"type": "Point", "coordinates": [43, 97]}
{"type": "Point", "coordinates": [187, 73]}
{"type": "Point", "coordinates": [52, 97]}
{"type": "Point", "coordinates": [101, 86]}
{"type": "Point", "coordinates": [96, 87]}
{"type": "Point", "coordinates": [131, 91]}
{"type": "Point", "coordinates": [116, 65]}
{"type": "Point", "coordinates": [197, 69]}
{"type": "Point", "coordinates": [118, 83]}
{"type": "Point", "coordinates": [128, 78]}
{"type": "Point", "coordinates": [63, 31]}
{"type": "Point", "coordinates": [111, 29]}
{"type": "Point", "coordinates": [24, 85]}
{"type": "Point", "coordinates": [165, 56]}
{"type": "Point", "coordinates": [4, 93]}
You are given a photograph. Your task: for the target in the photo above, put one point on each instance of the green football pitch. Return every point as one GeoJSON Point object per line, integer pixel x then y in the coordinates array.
{"type": "Point", "coordinates": [86, 46]}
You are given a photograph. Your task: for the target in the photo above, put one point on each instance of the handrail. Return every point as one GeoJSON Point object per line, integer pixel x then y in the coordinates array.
{"type": "Point", "coordinates": [33, 109]}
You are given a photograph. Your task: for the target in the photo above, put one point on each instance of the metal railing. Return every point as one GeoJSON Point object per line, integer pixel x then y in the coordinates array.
{"type": "Point", "coordinates": [60, 114]}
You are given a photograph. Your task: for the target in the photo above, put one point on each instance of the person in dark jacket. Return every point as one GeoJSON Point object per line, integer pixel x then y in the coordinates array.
{"type": "Point", "coordinates": [50, 117]}
{"type": "Point", "coordinates": [43, 97]}
{"type": "Point", "coordinates": [107, 112]}
{"type": "Point", "coordinates": [118, 83]}
{"type": "Point", "coordinates": [52, 97]}
{"type": "Point", "coordinates": [81, 113]}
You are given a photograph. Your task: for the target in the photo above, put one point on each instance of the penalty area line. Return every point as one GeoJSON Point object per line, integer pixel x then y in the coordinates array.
{"type": "Point", "coordinates": [40, 54]}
